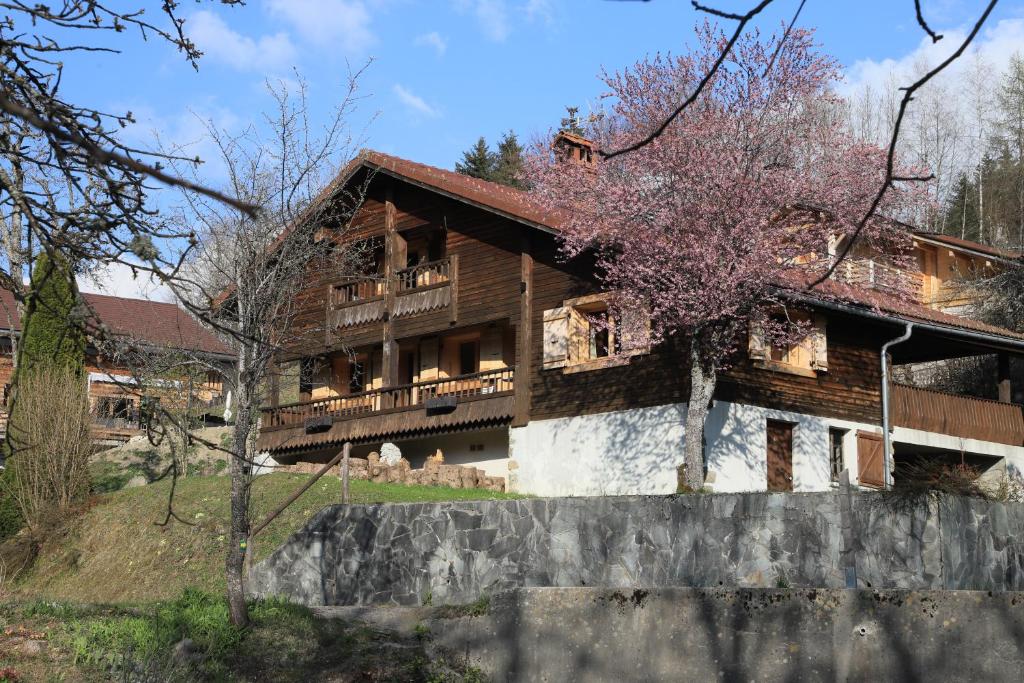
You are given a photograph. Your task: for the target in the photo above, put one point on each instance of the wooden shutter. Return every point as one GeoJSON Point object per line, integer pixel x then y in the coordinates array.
{"type": "Point", "coordinates": [556, 337]}
{"type": "Point", "coordinates": [377, 368]}
{"type": "Point", "coordinates": [490, 349]}
{"type": "Point", "coordinates": [635, 329]}
{"type": "Point", "coordinates": [819, 344]}
{"type": "Point", "coordinates": [756, 347]}
{"type": "Point", "coordinates": [579, 337]}
{"type": "Point", "coordinates": [428, 359]}
{"type": "Point", "coordinates": [870, 460]}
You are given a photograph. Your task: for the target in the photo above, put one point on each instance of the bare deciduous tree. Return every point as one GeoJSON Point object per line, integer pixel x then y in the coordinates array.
{"type": "Point", "coordinates": [246, 270]}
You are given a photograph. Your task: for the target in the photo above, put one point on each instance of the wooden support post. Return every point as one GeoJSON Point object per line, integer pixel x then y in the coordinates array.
{"type": "Point", "coordinates": [524, 339]}
{"type": "Point", "coordinates": [1003, 378]}
{"type": "Point", "coordinates": [275, 384]}
{"type": "Point", "coordinates": [393, 251]}
{"type": "Point", "coordinates": [345, 452]}
{"type": "Point", "coordinates": [453, 288]}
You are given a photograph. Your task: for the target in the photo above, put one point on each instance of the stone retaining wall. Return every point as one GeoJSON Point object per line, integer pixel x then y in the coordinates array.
{"type": "Point", "coordinates": [595, 634]}
{"type": "Point", "coordinates": [455, 552]}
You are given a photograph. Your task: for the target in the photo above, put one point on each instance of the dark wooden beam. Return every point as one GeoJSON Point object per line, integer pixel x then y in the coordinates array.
{"type": "Point", "coordinates": [393, 251]}
{"type": "Point", "coordinates": [524, 338]}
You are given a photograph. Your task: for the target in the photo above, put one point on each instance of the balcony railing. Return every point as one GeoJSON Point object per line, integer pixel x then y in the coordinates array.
{"type": "Point", "coordinates": [356, 291]}
{"type": "Point", "coordinates": [964, 416]}
{"type": "Point", "coordinates": [424, 275]}
{"type": "Point", "coordinates": [869, 274]}
{"type": "Point", "coordinates": [408, 396]}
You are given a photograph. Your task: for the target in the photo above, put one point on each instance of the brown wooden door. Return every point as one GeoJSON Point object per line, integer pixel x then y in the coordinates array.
{"type": "Point", "coordinates": [870, 460]}
{"type": "Point", "coordinates": [780, 456]}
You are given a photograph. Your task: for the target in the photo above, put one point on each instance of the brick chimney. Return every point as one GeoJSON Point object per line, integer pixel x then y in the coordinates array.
{"type": "Point", "coordinates": [575, 148]}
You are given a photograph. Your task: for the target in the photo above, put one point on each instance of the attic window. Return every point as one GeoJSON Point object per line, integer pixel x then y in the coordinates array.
{"type": "Point", "coordinates": [807, 356]}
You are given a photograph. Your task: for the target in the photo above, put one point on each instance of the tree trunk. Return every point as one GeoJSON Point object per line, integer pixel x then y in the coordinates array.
{"type": "Point", "coordinates": [702, 387]}
{"type": "Point", "coordinates": [235, 563]}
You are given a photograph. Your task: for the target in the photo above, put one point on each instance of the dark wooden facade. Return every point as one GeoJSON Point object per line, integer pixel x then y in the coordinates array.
{"type": "Point", "coordinates": [508, 272]}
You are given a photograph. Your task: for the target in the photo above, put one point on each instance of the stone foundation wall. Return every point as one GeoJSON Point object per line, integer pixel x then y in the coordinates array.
{"type": "Point", "coordinates": [456, 552]}
{"type": "Point", "coordinates": [594, 634]}
{"type": "Point", "coordinates": [433, 473]}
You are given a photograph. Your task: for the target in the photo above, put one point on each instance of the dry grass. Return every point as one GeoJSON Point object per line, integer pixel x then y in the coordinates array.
{"type": "Point", "coordinates": [117, 552]}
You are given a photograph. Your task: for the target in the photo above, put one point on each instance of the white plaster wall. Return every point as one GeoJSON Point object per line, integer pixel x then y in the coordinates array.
{"type": "Point", "coordinates": [620, 452]}
{"type": "Point", "coordinates": [637, 451]}
{"type": "Point", "coordinates": [492, 459]}
{"type": "Point", "coordinates": [737, 441]}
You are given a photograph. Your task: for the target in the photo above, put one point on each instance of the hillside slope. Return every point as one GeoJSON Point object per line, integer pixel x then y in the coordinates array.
{"type": "Point", "coordinates": [120, 550]}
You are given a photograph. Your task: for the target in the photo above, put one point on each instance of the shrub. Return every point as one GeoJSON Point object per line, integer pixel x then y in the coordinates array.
{"type": "Point", "coordinates": [11, 521]}
{"type": "Point", "coordinates": [49, 434]}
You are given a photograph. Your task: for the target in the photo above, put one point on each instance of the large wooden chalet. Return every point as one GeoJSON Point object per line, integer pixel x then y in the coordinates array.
{"type": "Point", "coordinates": [119, 394]}
{"type": "Point", "coordinates": [470, 335]}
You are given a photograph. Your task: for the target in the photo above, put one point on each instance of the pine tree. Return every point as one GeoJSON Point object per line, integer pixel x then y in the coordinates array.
{"type": "Point", "coordinates": [961, 210]}
{"type": "Point", "coordinates": [571, 123]}
{"type": "Point", "coordinates": [52, 332]}
{"type": "Point", "coordinates": [478, 161]}
{"type": "Point", "coordinates": [509, 162]}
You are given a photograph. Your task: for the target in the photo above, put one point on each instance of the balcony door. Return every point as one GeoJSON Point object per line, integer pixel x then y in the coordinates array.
{"type": "Point", "coordinates": [780, 456]}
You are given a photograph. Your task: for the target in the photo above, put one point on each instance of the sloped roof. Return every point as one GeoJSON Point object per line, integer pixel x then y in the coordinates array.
{"type": "Point", "coordinates": [967, 244]}
{"type": "Point", "coordinates": [152, 322]}
{"type": "Point", "coordinates": [509, 201]}
{"type": "Point", "coordinates": [519, 205]}
{"type": "Point", "coordinates": [871, 299]}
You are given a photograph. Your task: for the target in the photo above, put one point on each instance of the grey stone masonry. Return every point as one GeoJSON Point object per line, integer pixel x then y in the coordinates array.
{"type": "Point", "coordinates": [409, 554]}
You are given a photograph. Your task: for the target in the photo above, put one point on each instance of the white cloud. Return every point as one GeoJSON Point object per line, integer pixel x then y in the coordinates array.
{"type": "Point", "coordinates": [540, 10]}
{"type": "Point", "coordinates": [219, 42]}
{"type": "Point", "coordinates": [414, 102]}
{"type": "Point", "coordinates": [183, 133]}
{"type": "Point", "coordinates": [118, 280]}
{"type": "Point", "coordinates": [492, 15]}
{"type": "Point", "coordinates": [343, 24]}
{"type": "Point", "coordinates": [995, 47]}
{"type": "Point", "coordinates": [434, 40]}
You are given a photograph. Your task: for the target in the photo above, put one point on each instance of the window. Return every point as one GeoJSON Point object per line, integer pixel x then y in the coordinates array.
{"type": "Point", "coordinates": [357, 376]}
{"type": "Point", "coordinates": [584, 334]}
{"type": "Point", "coordinates": [307, 368]}
{"type": "Point", "coordinates": [115, 409]}
{"type": "Point", "coordinates": [807, 356]}
{"type": "Point", "coordinates": [468, 358]}
{"type": "Point", "coordinates": [835, 451]}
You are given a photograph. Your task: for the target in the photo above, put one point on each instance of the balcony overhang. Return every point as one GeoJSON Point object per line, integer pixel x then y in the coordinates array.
{"type": "Point", "coordinates": [471, 412]}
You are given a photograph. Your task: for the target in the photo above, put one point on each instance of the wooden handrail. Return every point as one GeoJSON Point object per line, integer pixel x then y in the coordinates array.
{"type": "Point", "coordinates": [962, 416]}
{"type": "Point", "coordinates": [389, 398]}
{"type": "Point", "coordinates": [302, 489]}
{"type": "Point", "coordinates": [407, 277]}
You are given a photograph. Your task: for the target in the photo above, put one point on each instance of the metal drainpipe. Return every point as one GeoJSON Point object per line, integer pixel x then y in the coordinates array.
{"type": "Point", "coordinates": [886, 440]}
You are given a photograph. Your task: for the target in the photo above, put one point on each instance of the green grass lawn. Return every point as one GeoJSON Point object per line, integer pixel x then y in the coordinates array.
{"type": "Point", "coordinates": [135, 642]}
{"type": "Point", "coordinates": [120, 550]}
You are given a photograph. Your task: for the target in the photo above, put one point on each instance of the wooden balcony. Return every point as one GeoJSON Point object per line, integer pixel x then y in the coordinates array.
{"type": "Point", "coordinates": [354, 302]}
{"type": "Point", "coordinates": [420, 289]}
{"type": "Point", "coordinates": [868, 274]}
{"type": "Point", "coordinates": [380, 412]}
{"type": "Point", "coordinates": [964, 416]}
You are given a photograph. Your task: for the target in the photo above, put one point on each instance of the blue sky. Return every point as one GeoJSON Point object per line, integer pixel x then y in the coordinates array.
{"type": "Point", "coordinates": [447, 71]}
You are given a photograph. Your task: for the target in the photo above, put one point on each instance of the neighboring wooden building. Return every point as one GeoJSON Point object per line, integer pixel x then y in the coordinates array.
{"type": "Point", "coordinates": [470, 334]}
{"type": "Point", "coordinates": [119, 396]}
